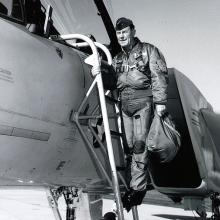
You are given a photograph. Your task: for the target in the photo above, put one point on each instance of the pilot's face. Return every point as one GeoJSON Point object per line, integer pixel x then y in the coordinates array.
{"type": "Point", "coordinates": [125, 36]}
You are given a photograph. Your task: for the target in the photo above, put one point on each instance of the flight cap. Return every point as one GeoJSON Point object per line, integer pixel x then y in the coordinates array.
{"type": "Point", "coordinates": [122, 23]}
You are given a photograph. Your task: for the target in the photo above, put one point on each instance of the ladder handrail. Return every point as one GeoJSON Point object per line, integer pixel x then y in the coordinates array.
{"type": "Point", "coordinates": [99, 45]}
{"type": "Point", "coordinates": [98, 78]}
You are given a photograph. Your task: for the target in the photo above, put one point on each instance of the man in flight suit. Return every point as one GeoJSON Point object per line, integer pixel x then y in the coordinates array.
{"type": "Point", "coordinates": [142, 84]}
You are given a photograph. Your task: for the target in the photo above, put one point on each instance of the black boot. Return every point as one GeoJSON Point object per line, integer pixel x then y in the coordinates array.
{"type": "Point", "coordinates": [109, 216]}
{"type": "Point", "coordinates": [133, 198]}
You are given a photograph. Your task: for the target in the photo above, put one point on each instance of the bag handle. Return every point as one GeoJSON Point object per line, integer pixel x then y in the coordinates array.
{"type": "Point", "coordinates": [168, 125]}
{"type": "Point", "coordinates": [171, 128]}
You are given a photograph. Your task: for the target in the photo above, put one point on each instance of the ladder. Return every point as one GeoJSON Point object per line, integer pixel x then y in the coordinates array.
{"type": "Point", "coordinates": [94, 61]}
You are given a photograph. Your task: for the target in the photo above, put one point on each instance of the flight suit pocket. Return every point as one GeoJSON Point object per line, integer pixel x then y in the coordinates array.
{"type": "Point", "coordinates": [138, 124]}
{"type": "Point", "coordinates": [142, 121]}
{"type": "Point", "coordinates": [141, 66]}
{"type": "Point", "coordinates": [118, 66]}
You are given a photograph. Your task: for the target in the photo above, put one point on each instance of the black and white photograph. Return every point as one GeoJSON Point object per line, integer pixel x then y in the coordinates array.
{"type": "Point", "coordinates": [109, 110]}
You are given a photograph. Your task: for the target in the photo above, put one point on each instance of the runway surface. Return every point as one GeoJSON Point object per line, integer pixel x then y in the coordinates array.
{"type": "Point", "coordinates": [33, 205]}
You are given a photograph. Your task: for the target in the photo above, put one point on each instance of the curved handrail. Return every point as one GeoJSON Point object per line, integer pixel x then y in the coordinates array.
{"type": "Point", "coordinates": [99, 45]}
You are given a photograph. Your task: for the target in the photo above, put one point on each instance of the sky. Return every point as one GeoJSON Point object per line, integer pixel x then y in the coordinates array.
{"type": "Point", "coordinates": [188, 34]}
{"type": "Point", "coordinates": [186, 31]}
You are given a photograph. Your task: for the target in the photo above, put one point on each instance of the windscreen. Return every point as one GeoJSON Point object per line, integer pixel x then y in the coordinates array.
{"type": "Point", "coordinates": [11, 9]}
{"type": "Point", "coordinates": [77, 16]}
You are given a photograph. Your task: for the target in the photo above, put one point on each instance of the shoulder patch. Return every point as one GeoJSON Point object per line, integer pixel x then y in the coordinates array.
{"type": "Point", "coordinates": [161, 65]}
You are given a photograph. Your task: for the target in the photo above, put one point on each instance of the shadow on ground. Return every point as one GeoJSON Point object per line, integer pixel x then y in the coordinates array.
{"type": "Point", "coordinates": [178, 217]}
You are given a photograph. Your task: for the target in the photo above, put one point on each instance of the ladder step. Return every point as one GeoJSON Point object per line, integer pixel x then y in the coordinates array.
{"type": "Point", "coordinates": [116, 133]}
{"type": "Point", "coordinates": [110, 99]}
{"type": "Point", "coordinates": [118, 168]}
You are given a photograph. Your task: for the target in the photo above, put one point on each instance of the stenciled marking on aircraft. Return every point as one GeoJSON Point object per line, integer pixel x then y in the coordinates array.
{"type": "Point", "coordinates": [59, 52]}
{"type": "Point", "coordinates": [30, 116]}
{"type": "Point", "coordinates": [195, 122]}
{"type": "Point", "coordinates": [61, 165]}
{"type": "Point", "coordinates": [72, 134]}
{"type": "Point", "coordinates": [195, 117]}
{"type": "Point", "coordinates": [6, 75]}
{"type": "Point", "coordinates": [24, 133]}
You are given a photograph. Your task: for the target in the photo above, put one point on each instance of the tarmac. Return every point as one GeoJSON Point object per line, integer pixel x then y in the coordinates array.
{"type": "Point", "coordinates": [32, 204]}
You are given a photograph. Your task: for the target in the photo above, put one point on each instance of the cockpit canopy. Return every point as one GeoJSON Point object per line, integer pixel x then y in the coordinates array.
{"type": "Point", "coordinates": [68, 16]}
{"type": "Point", "coordinates": [12, 9]}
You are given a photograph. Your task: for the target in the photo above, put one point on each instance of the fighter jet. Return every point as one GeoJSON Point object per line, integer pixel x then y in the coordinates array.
{"type": "Point", "coordinates": [52, 102]}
